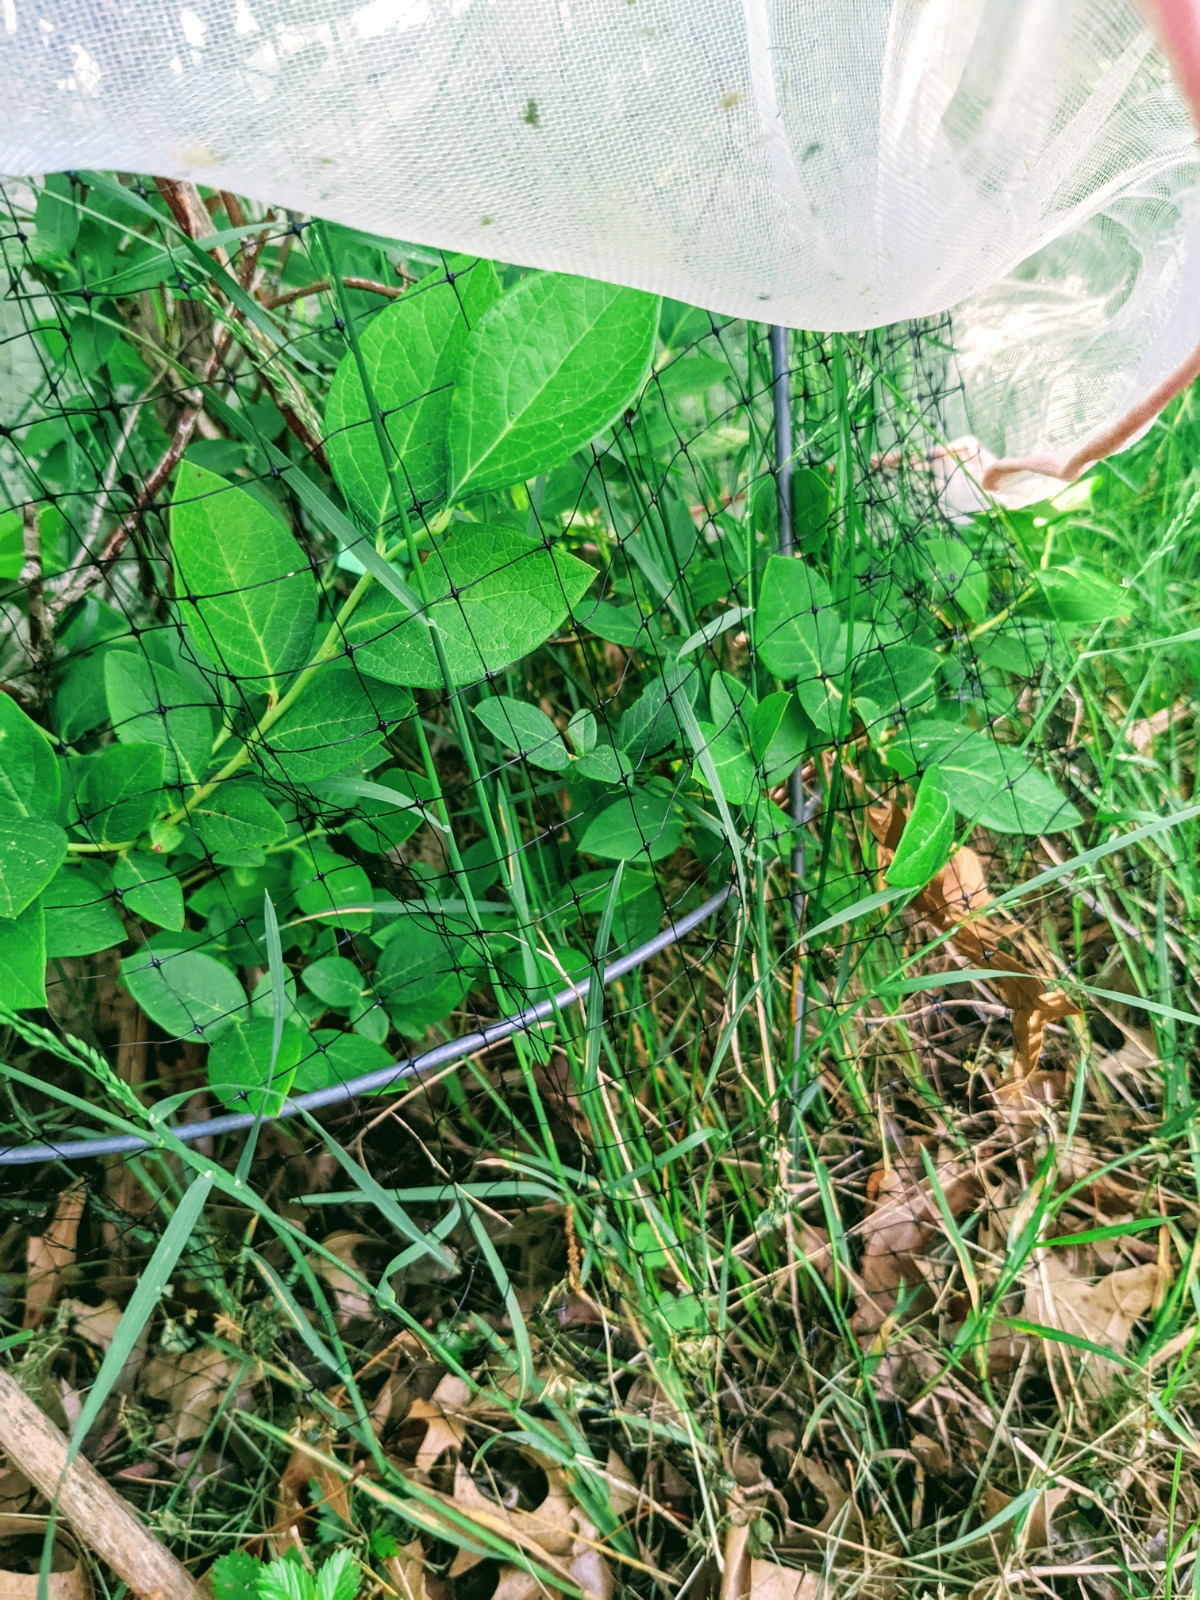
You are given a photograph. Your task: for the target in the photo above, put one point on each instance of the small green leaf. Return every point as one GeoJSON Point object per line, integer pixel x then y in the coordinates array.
{"type": "Point", "coordinates": [894, 675]}
{"type": "Point", "coordinates": [188, 993]}
{"type": "Point", "coordinates": [234, 1576]}
{"type": "Point", "coordinates": [123, 792]}
{"type": "Point", "coordinates": [730, 702]}
{"type": "Point", "coordinates": [422, 974]}
{"type": "Point", "coordinates": [810, 507]}
{"type": "Point", "coordinates": [79, 703]}
{"type": "Point", "coordinates": [327, 885]}
{"type": "Point", "coordinates": [30, 785]}
{"type": "Point", "coordinates": [991, 783]}
{"type": "Point", "coordinates": [582, 732]}
{"type": "Point", "coordinates": [652, 723]}
{"type": "Point", "coordinates": [336, 1058]}
{"type": "Point", "coordinates": [239, 1065]}
{"type": "Point", "coordinates": [334, 723]}
{"type": "Point", "coordinates": [495, 595]}
{"type": "Point", "coordinates": [410, 351]}
{"type": "Point", "coordinates": [149, 889]}
{"type": "Point", "coordinates": [542, 372]}
{"type": "Point", "coordinates": [623, 625]}
{"type": "Point", "coordinates": [734, 764]}
{"type": "Point", "coordinates": [31, 852]}
{"type": "Point", "coordinates": [524, 728]}
{"type": "Point", "coordinates": [338, 1578]}
{"type": "Point", "coordinates": [800, 637]}
{"type": "Point", "coordinates": [377, 825]}
{"type": "Point", "coordinates": [236, 819]}
{"type": "Point", "coordinates": [246, 593]}
{"type": "Point", "coordinates": [338, 983]}
{"type": "Point", "coordinates": [373, 1023]}
{"type": "Point", "coordinates": [148, 703]}
{"type": "Point", "coordinates": [637, 824]}
{"type": "Point", "coordinates": [604, 765]}
{"type": "Point", "coordinates": [1076, 595]}
{"type": "Point", "coordinates": [781, 736]}
{"type": "Point", "coordinates": [23, 959]}
{"type": "Point", "coordinates": [960, 578]}
{"type": "Point", "coordinates": [80, 919]}
{"type": "Point", "coordinates": [924, 846]}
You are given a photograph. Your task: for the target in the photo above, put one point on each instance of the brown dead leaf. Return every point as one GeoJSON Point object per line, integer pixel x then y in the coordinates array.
{"type": "Point", "coordinates": [622, 1492]}
{"type": "Point", "coordinates": [352, 1302]}
{"type": "Point", "coordinates": [490, 1482]}
{"type": "Point", "coordinates": [21, 1541]}
{"type": "Point", "coordinates": [516, 1583]}
{"type": "Point", "coordinates": [411, 1578]}
{"type": "Point", "coordinates": [898, 1229]}
{"type": "Point", "coordinates": [97, 1324]}
{"type": "Point", "coordinates": [957, 893]}
{"type": "Point", "coordinates": [16, 1491]}
{"type": "Point", "coordinates": [294, 1502]}
{"type": "Point", "coordinates": [771, 1582]}
{"type": "Point", "coordinates": [1103, 1312]}
{"type": "Point", "coordinates": [748, 1577]}
{"type": "Point", "coordinates": [192, 1384]}
{"type": "Point", "coordinates": [1037, 1533]}
{"type": "Point", "coordinates": [49, 1254]}
{"type": "Point", "coordinates": [1024, 1102]}
{"type": "Point", "coordinates": [931, 1453]}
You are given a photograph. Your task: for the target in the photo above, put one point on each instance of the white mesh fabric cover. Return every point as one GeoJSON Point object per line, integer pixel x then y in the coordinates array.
{"type": "Point", "coordinates": [828, 166]}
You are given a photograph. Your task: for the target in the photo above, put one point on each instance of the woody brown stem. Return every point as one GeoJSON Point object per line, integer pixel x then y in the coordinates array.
{"type": "Point", "coordinates": [31, 579]}
{"type": "Point", "coordinates": [390, 290]}
{"type": "Point", "coordinates": [96, 1514]}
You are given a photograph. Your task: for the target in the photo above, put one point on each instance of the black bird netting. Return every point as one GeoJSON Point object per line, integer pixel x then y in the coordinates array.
{"type": "Point", "coordinates": [510, 787]}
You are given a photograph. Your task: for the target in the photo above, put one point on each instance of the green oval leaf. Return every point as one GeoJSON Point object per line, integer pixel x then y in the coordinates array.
{"type": "Point", "coordinates": [240, 1072]}
{"type": "Point", "coordinates": [337, 719]}
{"type": "Point", "coordinates": [31, 852]}
{"type": "Point", "coordinates": [149, 703]}
{"type": "Point", "coordinates": [991, 784]}
{"type": "Point", "coordinates": [410, 351]}
{"type": "Point", "coordinates": [336, 1058]}
{"type": "Point", "coordinates": [23, 959]}
{"type": "Point", "coordinates": [379, 825]}
{"type": "Point", "coordinates": [236, 819]}
{"type": "Point", "coordinates": [80, 919]}
{"type": "Point", "coordinates": [1077, 596]}
{"type": "Point", "coordinates": [495, 595]}
{"type": "Point", "coordinates": [800, 637]}
{"type": "Point", "coordinates": [328, 886]}
{"type": "Point", "coordinates": [149, 889]}
{"type": "Point", "coordinates": [545, 370]}
{"type": "Point", "coordinates": [338, 983]}
{"type": "Point", "coordinates": [527, 729]}
{"type": "Point", "coordinates": [924, 846]}
{"type": "Point", "coordinates": [422, 974]}
{"type": "Point", "coordinates": [30, 785]}
{"type": "Point", "coordinates": [637, 824]}
{"type": "Point", "coordinates": [246, 593]}
{"type": "Point", "coordinates": [188, 993]}
{"type": "Point", "coordinates": [732, 762]}
{"type": "Point", "coordinates": [123, 792]}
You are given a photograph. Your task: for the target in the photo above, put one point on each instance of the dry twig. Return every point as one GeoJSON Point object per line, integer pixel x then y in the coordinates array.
{"type": "Point", "coordinates": [97, 1515]}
